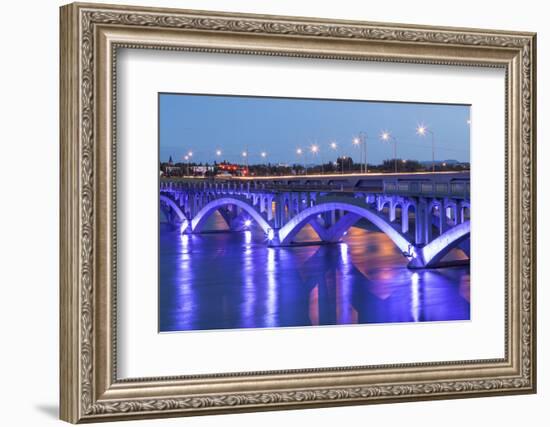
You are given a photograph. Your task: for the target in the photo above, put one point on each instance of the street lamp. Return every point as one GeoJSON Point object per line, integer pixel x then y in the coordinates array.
{"type": "Point", "coordinates": [356, 141]}
{"type": "Point", "coordinates": [245, 155]}
{"type": "Point", "coordinates": [315, 151]}
{"type": "Point", "coordinates": [218, 153]}
{"type": "Point", "coordinates": [361, 142]}
{"type": "Point", "coordinates": [186, 158]}
{"type": "Point", "coordinates": [299, 152]}
{"type": "Point", "coordinates": [263, 154]}
{"type": "Point", "coordinates": [388, 137]}
{"type": "Point", "coordinates": [334, 146]}
{"type": "Point", "coordinates": [422, 130]}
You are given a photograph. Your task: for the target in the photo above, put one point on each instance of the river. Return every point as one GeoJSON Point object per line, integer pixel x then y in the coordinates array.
{"type": "Point", "coordinates": [230, 280]}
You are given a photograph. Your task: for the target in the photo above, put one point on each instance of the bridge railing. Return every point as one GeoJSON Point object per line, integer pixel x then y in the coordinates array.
{"type": "Point", "coordinates": [451, 188]}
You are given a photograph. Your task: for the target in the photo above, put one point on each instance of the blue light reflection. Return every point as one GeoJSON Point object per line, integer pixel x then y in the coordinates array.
{"type": "Point", "coordinates": [228, 280]}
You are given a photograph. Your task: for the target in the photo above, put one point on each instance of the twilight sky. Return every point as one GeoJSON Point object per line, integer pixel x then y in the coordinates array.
{"type": "Point", "coordinates": [204, 124]}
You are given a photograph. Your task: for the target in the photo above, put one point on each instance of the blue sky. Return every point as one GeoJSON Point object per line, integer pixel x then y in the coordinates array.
{"type": "Point", "coordinates": [279, 126]}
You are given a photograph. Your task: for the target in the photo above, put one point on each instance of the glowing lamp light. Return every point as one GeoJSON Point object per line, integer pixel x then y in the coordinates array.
{"type": "Point", "coordinates": [186, 157]}
{"type": "Point", "coordinates": [247, 223]}
{"type": "Point", "coordinates": [314, 149]}
{"type": "Point", "coordinates": [218, 152]}
{"type": "Point", "coordinates": [190, 154]}
{"type": "Point", "coordinates": [270, 234]}
{"type": "Point", "coordinates": [421, 130]}
{"type": "Point", "coordinates": [333, 145]}
{"type": "Point", "coordinates": [385, 136]}
{"type": "Point", "coordinates": [299, 151]}
{"type": "Point", "coordinates": [356, 141]}
{"type": "Point", "coordinates": [244, 153]}
{"type": "Point", "coordinates": [263, 154]}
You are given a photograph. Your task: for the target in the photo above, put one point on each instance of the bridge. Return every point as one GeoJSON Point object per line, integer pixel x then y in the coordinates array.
{"type": "Point", "coordinates": [426, 215]}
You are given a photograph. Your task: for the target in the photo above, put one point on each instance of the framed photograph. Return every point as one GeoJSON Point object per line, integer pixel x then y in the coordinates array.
{"type": "Point", "coordinates": [266, 212]}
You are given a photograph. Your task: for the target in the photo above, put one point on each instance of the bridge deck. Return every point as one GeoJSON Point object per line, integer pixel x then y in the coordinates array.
{"type": "Point", "coordinates": [439, 184]}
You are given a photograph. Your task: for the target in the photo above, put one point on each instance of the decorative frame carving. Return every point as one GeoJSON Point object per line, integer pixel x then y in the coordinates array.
{"type": "Point", "coordinates": [90, 36]}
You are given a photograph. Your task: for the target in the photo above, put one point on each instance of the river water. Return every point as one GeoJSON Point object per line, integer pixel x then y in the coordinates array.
{"type": "Point", "coordinates": [229, 280]}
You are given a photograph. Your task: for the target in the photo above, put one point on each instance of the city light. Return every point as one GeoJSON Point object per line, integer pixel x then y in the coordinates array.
{"type": "Point", "coordinates": [270, 234]}
{"type": "Point", "coordinates": [247, 223]}
{"type": "Point", "coordinates": [319, 153]}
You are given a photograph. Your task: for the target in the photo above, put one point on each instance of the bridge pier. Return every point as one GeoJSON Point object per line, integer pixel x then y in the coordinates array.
{"type": "Point", "coordinates": [405, 219]}
{"type": "Point", "coordinates": [269, 207]}
{"type": "Point", "coordinates": [422, 234]}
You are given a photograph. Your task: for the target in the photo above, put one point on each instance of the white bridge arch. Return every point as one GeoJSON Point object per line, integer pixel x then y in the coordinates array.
{"type": "Point", "coordinates": [174, 207]}
{"type": "Point", "coordinates": [200, 218]}
{"type": "Point", "coordinates": [296, 223]}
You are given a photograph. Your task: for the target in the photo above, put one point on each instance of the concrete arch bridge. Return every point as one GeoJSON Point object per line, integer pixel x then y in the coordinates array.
{"type": "Point", "coordinates": [424, 218]}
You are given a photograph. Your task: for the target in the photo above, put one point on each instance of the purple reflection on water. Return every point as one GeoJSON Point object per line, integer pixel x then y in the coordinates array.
{"type": "Point", "coordinates": [223, 280]}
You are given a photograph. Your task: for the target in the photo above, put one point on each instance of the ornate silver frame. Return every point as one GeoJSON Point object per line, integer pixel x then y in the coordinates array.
{"type": "Point", "coordinates": [90, 36]}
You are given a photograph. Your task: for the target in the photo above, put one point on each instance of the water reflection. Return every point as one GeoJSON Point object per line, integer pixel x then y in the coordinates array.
{"type": "Point", "coordinates": [223, 280]}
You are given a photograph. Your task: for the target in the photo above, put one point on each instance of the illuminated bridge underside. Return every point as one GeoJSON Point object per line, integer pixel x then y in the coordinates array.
{"type": "Point", "coordinates": [440, 223]}
{"type": "Point", "coordinates": [354, 213]}
{"type": "Point", "coordinates": [199, 220]}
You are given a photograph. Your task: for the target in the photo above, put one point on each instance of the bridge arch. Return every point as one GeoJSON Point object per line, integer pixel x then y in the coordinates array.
{"type": "Point", "coordinates": [174, 206]}
{"type": "Point", "coordinates": [200, 218]}
{"type": "Point", "coordinates": [433, 252]}
{"type": "Point", "coordinates": [292, 227]}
